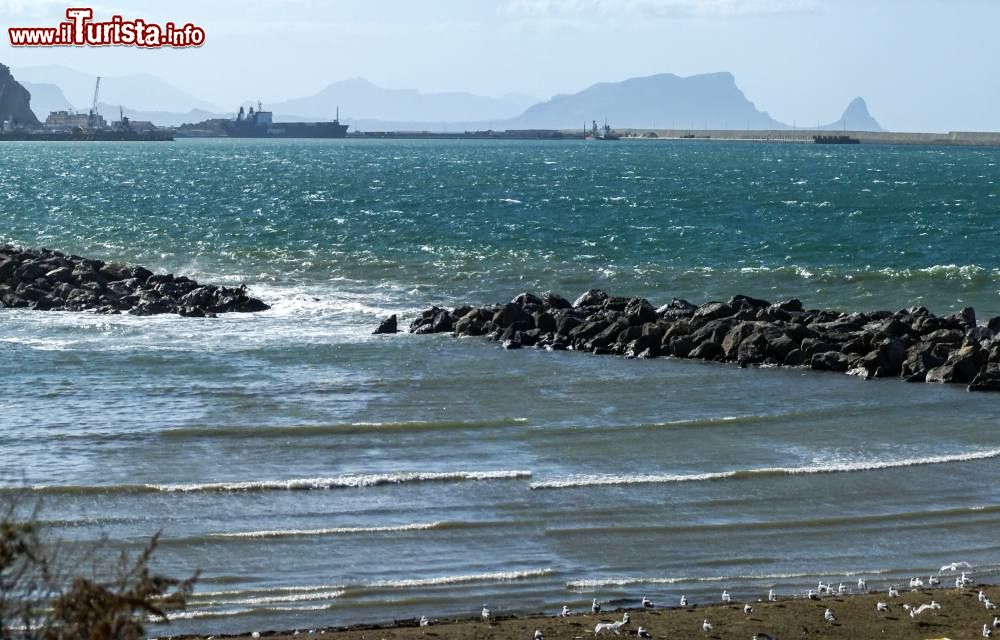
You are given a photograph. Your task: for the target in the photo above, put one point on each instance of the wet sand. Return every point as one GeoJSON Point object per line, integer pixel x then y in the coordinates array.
{"type": "Point", "coordinates": [961, 616]}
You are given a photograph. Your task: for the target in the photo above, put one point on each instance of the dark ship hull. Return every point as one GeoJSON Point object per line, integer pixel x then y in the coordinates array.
{"type": "Point", "coordinates": [249, 129]}
{"type": "Point", "coordinates": [85, 136]}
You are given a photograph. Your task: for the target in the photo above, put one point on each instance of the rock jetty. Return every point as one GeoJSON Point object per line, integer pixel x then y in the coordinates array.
{"type": "Point", "coordinates": [912, 344]}
{"type": "Point", "coordinates": [48, 280]}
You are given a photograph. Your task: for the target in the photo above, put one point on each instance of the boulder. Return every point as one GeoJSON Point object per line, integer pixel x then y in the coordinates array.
{"type": "Point", "coordinates": [387, 326]}
{"type": "Point", "coordinates": [591, 298]}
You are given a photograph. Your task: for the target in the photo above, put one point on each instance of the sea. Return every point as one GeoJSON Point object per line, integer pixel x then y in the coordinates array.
{"type": "Point", "coordinates": [316, 474]}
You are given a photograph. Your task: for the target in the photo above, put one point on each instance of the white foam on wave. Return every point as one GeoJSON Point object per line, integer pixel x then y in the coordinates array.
{"type": "Point", "coordinates": [346, 481]}
{"type": "Point", "coordinates": [624, 581]}
{"type": "Point", "coordinates": [499, 576]}
{"type": "Point", "coordinates": [632, 479]}
{"type": "Point", "coordinates": [242, 592]}
{"type": "Point", "coordinates": [279, 599]}
{"type": "Point", "coordinates": [292, 533]}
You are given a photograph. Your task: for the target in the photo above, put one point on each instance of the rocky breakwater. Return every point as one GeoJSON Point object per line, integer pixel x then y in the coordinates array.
{"type": "Point", "coordinates": [48, 280]}
{"type": "Point", "coordinates": [912, 344]}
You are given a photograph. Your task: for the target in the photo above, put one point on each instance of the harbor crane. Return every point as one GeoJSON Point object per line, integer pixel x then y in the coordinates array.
{"type": "Point", "coordinates": [93, 118]}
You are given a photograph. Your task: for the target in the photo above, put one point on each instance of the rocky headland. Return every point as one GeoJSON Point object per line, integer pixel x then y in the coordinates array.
{"type": "Point", "coordinates": [48, 280]}
{"type": "Point", "coordinates": [913, 344]}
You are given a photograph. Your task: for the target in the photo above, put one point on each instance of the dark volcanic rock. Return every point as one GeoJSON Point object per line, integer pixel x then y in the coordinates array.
{"type": "Point", "coordinates": [911, 344]}
{"type": "Point", "coordinates": [387, 326]}
{"type": "Point", "coordinates": [47, 280]}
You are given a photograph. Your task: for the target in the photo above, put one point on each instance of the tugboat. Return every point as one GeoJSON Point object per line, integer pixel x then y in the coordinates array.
{"type": "Point", "coordinates": [604, 133]}
{"type": "Point", "coordinates": [258, 124]}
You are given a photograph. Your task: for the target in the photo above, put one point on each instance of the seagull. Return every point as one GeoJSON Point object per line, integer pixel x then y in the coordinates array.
{"type": "Point", "coordinates": [596, 606]}
{"type": "Point", "coordinates": [424, 622]}
{"type": "Point", "coordinates": [647, 603]}
{"type": "Point", "coordinates": [812, 595]}
{"type": "Point", "coordinates": [958, 583]}
{"type": "Point", "coordinates": [965, 580]}
{"type": "Point", "coordinates": [916, 583]}
{"type": "Point", "coordinates": [747, 609]}
{"type": "Point", "coordinates": [485, 613]}
{"type": "Point", "coordinates": [893, 592]}
{"type": "Point", "coordinates": [982, 596]}
{"type": "Point", "coordinates": [626, 619]}
{"type": "Point", "coordinates": [933, 581]}
{"type": "Point", "coordinates": [726, 597]}
{"type": "Point", "coordinates": [538, 635]}
{"type": "Point", "coordinates": [987, 632]}
{"type": "Point", "coordinates": [566, 611]}
{"type": "Point", "coordinates": [822, 588]}
{"type": "Point", "coordinates": [771, 597]}
{"type": "Point", "coordinates": [989, 604]}
{"type": "Point", "coordinates": [828, 616]}
{"type": "Point", "coordinates": [642, 633]}
{"type": "Point", "coordinates": [684, 601]}
{"type": "Point", "coordinates": [996, 621]}
{"type": "Point", "coordinates": [706, 626]}
{"type": "Point", "coordinates": [881, 606]}
{"type": "Point", "coordinates": [954, 566]}
{"type": "Point", "coordinates": [862, 585]}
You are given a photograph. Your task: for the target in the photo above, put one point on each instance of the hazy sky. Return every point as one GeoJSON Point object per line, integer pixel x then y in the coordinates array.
{"type": "Point", "coordinates": [920, 64]}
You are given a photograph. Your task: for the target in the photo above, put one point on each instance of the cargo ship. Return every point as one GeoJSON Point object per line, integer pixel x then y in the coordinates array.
{"type": "Point", "coordinates": [258, 124]}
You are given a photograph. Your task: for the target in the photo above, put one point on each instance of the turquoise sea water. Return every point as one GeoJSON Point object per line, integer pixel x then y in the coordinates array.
{"type": "Point", "coordinates": [320, 475]}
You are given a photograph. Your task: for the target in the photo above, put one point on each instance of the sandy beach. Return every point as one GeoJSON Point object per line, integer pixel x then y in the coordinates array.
{"type": "Point", "coordinates": [961, 615]}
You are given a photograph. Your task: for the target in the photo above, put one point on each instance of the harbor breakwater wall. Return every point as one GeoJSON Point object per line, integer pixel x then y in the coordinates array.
{"type": "Point", "coordinates": [912, 344]}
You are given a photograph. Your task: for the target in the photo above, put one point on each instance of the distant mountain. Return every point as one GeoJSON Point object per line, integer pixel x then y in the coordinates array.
{"type": "Point", "coordinates": [137, 91]}
{"type": "Point", "coordinates": [706, 101]}
{"type": "Point", "coordinates": [14, 100]}
{"type": "Point", "coordinates": [46, 98]}
{"type": "Point", "coordinates": [360, 98]}
{"type": "Point", "coordinates": [856, 118]}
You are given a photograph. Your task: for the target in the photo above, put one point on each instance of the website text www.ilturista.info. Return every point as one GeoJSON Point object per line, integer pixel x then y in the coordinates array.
{"type": "Point", "coordinates": [80, 30]}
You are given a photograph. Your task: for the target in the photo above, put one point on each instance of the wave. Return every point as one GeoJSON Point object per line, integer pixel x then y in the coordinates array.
{"type": "Point", "coordinates": [948, 272]}
{"type": "Point", "coordinates": [235, 431]}
{"type": "Point", "coordinates": [295, 533]}
{"type": "Point", "coordinates": [291, 484]}
{"type": "Point", "coordinates": [634, 479]}
{"type": "Point", "coordinates": [592, 583]}
{"type": "Point", "coordinates": [276, 599]}
{"type": "Point", "coordinates": [499, 576]}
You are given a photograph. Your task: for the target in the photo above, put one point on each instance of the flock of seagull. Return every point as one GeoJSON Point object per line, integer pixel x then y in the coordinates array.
{"type": "Point", "coordinates": [961, 582]}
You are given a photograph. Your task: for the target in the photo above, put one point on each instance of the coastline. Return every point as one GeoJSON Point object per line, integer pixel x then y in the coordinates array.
{"type": "Point", "coordinates": [961, 615]}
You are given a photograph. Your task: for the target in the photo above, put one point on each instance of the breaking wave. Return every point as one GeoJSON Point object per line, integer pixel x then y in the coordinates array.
{"type": "Point", "coordinates": [629, 479]}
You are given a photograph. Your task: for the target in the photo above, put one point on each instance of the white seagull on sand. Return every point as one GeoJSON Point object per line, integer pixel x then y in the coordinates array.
{"type": "Point", "coordinates": [881, 606]}
{"type": "Point", "coordinates": [996, 621]}
{"type": "Point", "coordinates": [684, 601]}
{"type": "Point", "coordinates": [828, 615]}
{"type": "Point", "coordinates": [485, 613]}
{"type": "Point", "coordinates": [933, 581]}
{"type": "Point", "coordinates": [893, 592]}
{"type": "Point", "coordinates": [642, 633]}
{"type": "Point", "coordinates": [647, 603]}
{"type": "Point", "coordinates": [626, 619]}
{"type": "Point", "coordinates": [841, 588]}
{"type": "Point", "coordinates": [771, 596]}
{"type": "Point", "coordinates": [812, 595]}
{"type": "Point", "coordinates": [706, 626]}
{"type": "Point", "coordinates": [595, 606]}
{"type": "Point", "coordinates": [726, 597]}
{"type": "Point", "coordinates": [747, 609]}
{"type": "Point", "coordinates": [424, 622]}
{"type": "Point", "coordinates": [982, 596]}
{"type": "Point", "coordinates": [989, 604]}
{"type": "Point", "coordinates": [916, 583]}
{"type": "Point", "coordinates": [862, 585]}
{"type": "Point", "coordinates": [539, 635]}
{"type": "Point", "coordinates": [987, 632]}
{"type": "Point", "coordinates": [566, 611]}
